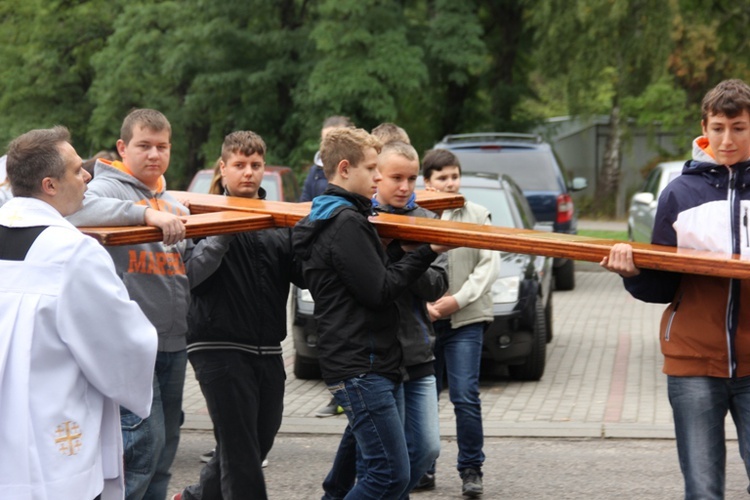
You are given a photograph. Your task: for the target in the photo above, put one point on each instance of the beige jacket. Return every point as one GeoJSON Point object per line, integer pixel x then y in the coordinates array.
{"type": "Point", "coordinates": [471, 272]}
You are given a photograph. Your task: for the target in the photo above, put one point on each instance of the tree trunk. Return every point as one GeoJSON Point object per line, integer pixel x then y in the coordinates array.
{"type": "Point", "coordinates": [607, 184]}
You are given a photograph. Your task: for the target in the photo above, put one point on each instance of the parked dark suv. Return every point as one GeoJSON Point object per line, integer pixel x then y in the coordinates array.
{"type": "Point", "coordinates": [532, 163]}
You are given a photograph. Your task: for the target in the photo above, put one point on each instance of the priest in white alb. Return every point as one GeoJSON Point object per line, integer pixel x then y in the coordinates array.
{"type": "Point", "coordinates": [73, 346]}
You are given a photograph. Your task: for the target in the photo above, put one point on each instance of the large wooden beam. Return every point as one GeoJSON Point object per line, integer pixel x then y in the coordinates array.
{"type": "Point", "coordinates": [682, 260]}
{"type": "Point", "coordinates": [196, 226]}
{"type": "Point", "coordinates": [281, 214]}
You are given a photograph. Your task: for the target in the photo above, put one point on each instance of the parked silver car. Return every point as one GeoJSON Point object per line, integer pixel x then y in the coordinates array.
{"type": "Point", "coordinates": [643, 203]}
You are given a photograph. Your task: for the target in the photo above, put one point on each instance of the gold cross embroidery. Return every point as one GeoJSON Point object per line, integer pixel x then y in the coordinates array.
{"type": "Point", "coordinates": [68, 438]}
{"type": "Point", "coordinates": [13, 218]}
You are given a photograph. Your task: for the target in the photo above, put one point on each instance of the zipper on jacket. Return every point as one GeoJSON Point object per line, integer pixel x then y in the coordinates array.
{"type": "Point", "coordinates": [732, 311]}
{"type": "Point", "coordinates": [672, 315]}
{"type": "Point", "coordinates": [747, 231]}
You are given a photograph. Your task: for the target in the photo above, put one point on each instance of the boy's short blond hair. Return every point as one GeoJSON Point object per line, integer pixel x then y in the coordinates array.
{"type": "Point", "coordinates": [389, 132]}
{"type": "Point", "coordinates": [337, 121]}
{"type": "Point", "coordinates": [729, 98]}
{"type": "Point", "coordinates": [400, 148]}
{"type": "Point", "coordinates": [246, 142]}
{"type": "Point", "coordinates": [345, 144]}
{"type": "Point", "coordinates": [144, 118]}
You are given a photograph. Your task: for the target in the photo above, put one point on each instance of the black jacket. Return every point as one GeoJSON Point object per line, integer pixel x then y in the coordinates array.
{"type": "Point", "coordinates": [242, 305]}
{"type": "Point", "coordinates": [416, 334]}
{"type": "Point", "coordinates": [355, 285]}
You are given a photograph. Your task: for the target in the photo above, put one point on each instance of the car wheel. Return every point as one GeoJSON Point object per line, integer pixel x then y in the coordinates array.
{"type": "Point", "coordinates": [548, 317]}
{"type": "Point", "coordinates": [533, 367]}
{"type": "Point", "coordinates": [565, 276]}
{"type": "Point", "coordinates": [306, 368]}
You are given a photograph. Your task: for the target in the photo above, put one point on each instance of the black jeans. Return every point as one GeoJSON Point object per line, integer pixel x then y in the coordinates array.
{"type": "Point", "coordinates": [245, 398]}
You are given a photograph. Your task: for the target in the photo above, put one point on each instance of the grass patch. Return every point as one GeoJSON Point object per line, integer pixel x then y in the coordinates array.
{"type": "Point", "coordinates": [604, 234]}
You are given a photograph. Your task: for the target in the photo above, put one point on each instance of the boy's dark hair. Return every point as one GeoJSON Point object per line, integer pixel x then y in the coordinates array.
{"type": "Point", "coordinates": [34, 156]}
{"type": "Point", "coordinates": [389, 132]}
{"type": "Point", "coordinates": [144, 118]}
{"type": "Point", "coordinates": [246, 142]}
{"type": "Point", "coordinates": [437, 159]}
{"type": "Point", "coordinates": [729, 98]}
{"type": "Point", "coordinates": [337, 121]}
{"type": "Point", "coordinates": [345, 144]}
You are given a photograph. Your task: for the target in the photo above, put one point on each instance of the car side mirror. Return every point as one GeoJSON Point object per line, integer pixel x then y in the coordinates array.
{"type": "Point", "coordinates": [578, 184]}
{"type": "Point", "coordinates": [644, 198]}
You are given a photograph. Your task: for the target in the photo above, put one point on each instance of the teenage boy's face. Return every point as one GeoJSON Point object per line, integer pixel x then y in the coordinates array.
{"type": "Point", "coordinates": [364, 177]}
{"type": "Point", "coordinates": [399, 179]}
{"type": "Point", "coordinates": [243, 174]}
{"type": "Point", "coordinates": [447, 180]}
{"type": "Point", "coordinates": [729, 138]}
{"type": "Point", "coordinates": [146, 155]}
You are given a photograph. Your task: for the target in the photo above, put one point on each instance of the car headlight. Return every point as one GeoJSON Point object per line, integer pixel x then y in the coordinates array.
{"type": "Point", "coordinates": [506, 289]}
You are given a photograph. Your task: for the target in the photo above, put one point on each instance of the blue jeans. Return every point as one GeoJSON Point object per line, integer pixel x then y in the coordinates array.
{"type": "Point", "coordinates": [699, 406]}
{"type": "Point", "coordinates": [151, 443]}
{"type": "Point", "coordinates": [375, 428]}
{"type": "Point", "coordinates": [418, 406]}
{"type": "Point", "coordinates": [416, 402]}
{"type": "Point", "coordinates": [458, 352]}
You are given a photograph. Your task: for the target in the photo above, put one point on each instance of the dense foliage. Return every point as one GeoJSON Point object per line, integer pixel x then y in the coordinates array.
{"type": "Point", "coordinates": [432, 66]}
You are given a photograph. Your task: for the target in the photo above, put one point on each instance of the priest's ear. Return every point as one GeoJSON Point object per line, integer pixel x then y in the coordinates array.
{"type": "Point", "coordinates": [49, 186]}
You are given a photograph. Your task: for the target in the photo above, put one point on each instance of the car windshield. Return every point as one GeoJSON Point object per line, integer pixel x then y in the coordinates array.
{"type": "Point", "coordinates": [494, 200]}
{"type": "Point", "coordinates": [202, 182]}
{"type": "Point", "coordinates": [531, 170]}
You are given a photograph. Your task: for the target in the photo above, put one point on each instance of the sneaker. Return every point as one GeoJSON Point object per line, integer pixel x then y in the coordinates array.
{"type": "Point", "coordinates": [264, 463]}
{"type": "Point", "coordinates": [177, 496]}
{"type": "Point", "coordinates": [472, 486]}
{"type": "Point", "coordinates": [206, 457]}
{"type": "Point", "coordinates": [426, 482]}
{"type": "Point", "coordinates": [330, 410]}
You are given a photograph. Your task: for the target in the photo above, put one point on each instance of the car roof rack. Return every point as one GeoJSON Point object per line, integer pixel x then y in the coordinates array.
{"type": "Point", "coordinates": [492, 136]}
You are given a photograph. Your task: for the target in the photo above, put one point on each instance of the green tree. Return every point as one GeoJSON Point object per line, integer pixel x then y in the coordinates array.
{"type": "Point", "coordinates": [211, 68]}
{"type": "Point", "coordinates": [603, 52]}
{"type": "Point", "coordinates": [45, 74]}
{"type": "Point", "coordinates": [365, 63]}
{"type": "Point", "coordinates": [509, 39]}
{"type": "Point", "coordinates": [710, 39]}
{"type": "Point", "coordinates": [457, 57]}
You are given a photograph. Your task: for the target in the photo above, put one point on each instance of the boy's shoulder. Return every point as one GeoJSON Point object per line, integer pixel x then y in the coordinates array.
{"type": "Point", "coordinates": [419, 211]}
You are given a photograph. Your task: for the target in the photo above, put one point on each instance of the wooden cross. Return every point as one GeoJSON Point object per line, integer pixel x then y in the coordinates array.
{"type": "Point", "coordinates": [216, 214]}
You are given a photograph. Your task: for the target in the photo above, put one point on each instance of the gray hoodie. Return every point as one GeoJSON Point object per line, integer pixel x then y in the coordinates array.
{"type": "Point", "coordinates": [154, 274]}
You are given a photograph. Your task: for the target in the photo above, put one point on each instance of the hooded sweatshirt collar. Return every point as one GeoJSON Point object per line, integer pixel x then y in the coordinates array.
{"type": "Point", "coordinates": [334, 198]}
{"type": "Point", "coordinates": [411, 204]}
{"type": "Point", "coordinates": [120, 167]}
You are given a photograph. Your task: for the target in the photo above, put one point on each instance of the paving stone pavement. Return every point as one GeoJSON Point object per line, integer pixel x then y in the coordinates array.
{"type": "Point", "coordinates": [603, 377]}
